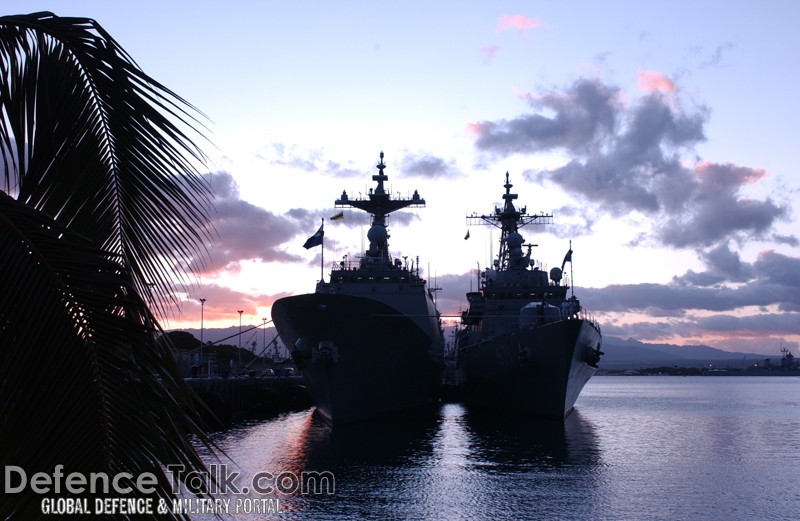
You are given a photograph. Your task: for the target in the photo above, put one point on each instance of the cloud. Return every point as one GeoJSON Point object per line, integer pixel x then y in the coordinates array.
{"type": "Point", "coordinates": [779, 269]}
{"type": "Point", "coordinates": [580, 118]}
{"type": "Point", "coordinates": [772, 280]}
{"type": "Point", "coordinates": [715, 210]}
{"type": "Point", "coordinates": [717, 56]}
{"type": "Point", "coordinates": [680, 310]}
{"type": "Point", "coordinates": [628, 157]}
{"type": "Point", "coordinates": [423, 164]}
{"type": "Point", "coordinates": [489, 52]}
{"type": "Point", "coordinates": [652, 81]}
{"type": "Point", "coordinates": [724, 265]}
{"type": "Point", "coordinates": [306, 160]}
{"type": "Point", "coordinates": [789, 240]}
{"type": "Point", "coordinates": [245, 231]}
{"type": "Point", "coordinates": [415, 164]}
{"type": "Point", "coordinates": [222, 303]}
{"type": "Point", "coordinates": [517, 22]}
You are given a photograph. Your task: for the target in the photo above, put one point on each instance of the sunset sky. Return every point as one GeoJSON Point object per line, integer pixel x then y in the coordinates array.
{"type": "Point", "coordinates": [662, 136]}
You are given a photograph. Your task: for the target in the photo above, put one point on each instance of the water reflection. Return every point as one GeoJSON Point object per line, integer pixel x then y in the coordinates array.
{"type": "Point", "coordinates": [649, 447]}
{"type": "Point", "coordinates": [396, 441]}
{"type": "Point", "coordinates": [489, 466]}
{"type": "Point", "coordinates": [445, 463]}
{"type": "Point", "coordinates": [512, 443]}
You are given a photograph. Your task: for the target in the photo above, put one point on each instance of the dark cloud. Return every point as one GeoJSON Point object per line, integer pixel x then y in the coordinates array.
{"type": "Point", "coordinates": [571, 221]}
{"type": "Point", "coordinates": [681, 311]}
{"type": "Point", "coordinates": [773, 323]}
{"type": "Point", "coordinates": [581, 117]}
{"type": "Point", "coordinates": [642, 331]}
{"type": "Point", "coordinates": [422, 164]}
{"type": "Point", "coordinates": [715, 211]}
{"type": "Point", "coordinates": [727, 264]}
{"type": "Point", "coordinates": [779, 269]}
{"type": "Point", "coordinates": [243, 231]}
{"type": "Point", "coordinates": [789, 240]}
{"type": "Point", "coordinates": [772, 280]}
{"type": "Point", "coordinates": [636, 168]}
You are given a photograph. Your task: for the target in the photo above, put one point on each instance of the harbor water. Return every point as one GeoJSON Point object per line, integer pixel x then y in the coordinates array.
{"type": "Point", "coordinates": [700, 448]}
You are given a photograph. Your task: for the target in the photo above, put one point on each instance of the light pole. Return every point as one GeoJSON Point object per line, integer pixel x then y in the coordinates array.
{"type": "Point", "coordinates": [265, 335]}
{"type": "Point", "coordinates": [240, 337]}
{"type": "Point", "coordinates": [202, 308]}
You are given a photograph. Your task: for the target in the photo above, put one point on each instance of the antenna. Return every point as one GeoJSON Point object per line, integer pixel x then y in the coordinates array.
{"type": "Point", "coordinates": [571, 278]}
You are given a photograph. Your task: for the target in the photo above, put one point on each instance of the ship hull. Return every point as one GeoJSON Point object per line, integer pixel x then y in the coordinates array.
{"type": "Point", "coordinates": [539, 371]}
{"type": "Point", "coordinates": [360, 358]}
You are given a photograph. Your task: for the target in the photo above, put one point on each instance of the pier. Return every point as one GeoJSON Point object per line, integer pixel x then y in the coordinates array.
{"type": "Point", "coordinates": [238, 398]}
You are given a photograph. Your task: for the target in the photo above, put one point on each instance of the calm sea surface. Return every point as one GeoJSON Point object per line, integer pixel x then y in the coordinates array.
{"type": "Point", "coordinates": [672, 448]}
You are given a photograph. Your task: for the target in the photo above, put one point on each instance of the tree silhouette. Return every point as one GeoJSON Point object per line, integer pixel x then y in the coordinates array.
{"type": "Point", "coordinates": [102, 209]}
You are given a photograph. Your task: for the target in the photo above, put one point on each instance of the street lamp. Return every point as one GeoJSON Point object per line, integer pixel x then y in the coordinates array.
{"type": "Point", "coordinates": [265, 335]}
{"type": "Point", "coordinates": [202, 308]}
{"type": "Point", "coordinates": [240, 337]}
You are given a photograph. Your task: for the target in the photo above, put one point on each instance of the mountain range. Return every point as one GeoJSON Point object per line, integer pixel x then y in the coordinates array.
{"type": "Point", "coordinates": [633, 354]}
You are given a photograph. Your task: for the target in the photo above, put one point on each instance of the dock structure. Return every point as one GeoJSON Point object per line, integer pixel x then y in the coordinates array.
{"type": "Point", "coordinates": [233, 399]}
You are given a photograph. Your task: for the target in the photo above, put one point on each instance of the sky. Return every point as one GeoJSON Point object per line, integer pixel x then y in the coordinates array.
{"type": "Point", "coordinates": [662, 136]}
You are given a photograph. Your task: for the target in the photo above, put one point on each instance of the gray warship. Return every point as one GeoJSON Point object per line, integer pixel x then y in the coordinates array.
{"type": "Point", "coordinates": [523, 344]}
{"type": "Point", "coordinates": [368, 342]}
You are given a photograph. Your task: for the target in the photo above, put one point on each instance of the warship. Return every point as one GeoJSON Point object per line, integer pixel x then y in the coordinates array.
{"type": "Point", "coordinates": [368, 342]}
{"type": "Point", "coordinates": [522, 343]}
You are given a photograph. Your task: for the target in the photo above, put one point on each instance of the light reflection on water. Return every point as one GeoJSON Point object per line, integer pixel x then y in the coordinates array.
{"type": "Point", "coordinates": [635, 448]}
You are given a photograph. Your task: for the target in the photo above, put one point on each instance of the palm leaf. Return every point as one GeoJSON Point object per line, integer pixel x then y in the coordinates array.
{"type": "Point", "coordinates": [92, 141]}
{"type": "Point", "coordinates": [103, 199]}
{"type": "Point", "coordinates": [84, 383]}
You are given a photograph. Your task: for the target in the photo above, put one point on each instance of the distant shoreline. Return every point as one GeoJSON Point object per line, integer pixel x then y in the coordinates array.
{"type": "Point", "coordinates": [691, 371]}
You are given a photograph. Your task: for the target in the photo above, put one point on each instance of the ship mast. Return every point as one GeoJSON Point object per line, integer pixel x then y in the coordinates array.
{"type": "Point", "coordinates": [509, 220]}
{"type": "Point", "coordinates": [379, 205]}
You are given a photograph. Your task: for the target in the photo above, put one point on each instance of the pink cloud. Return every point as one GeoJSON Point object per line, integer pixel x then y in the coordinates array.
{"type": "Point", "coordinates": [725, 176]}
{"type": "Point", "coordinates": [527, 96]}
{"type": "Point", "coordinates": [220, 309]}
{"type": "Point", "coordinates": [477, 129]}
{"type": "Point", "coordinates": [521, 22]}
{"type": "Point", "coordinates": [655, 81]}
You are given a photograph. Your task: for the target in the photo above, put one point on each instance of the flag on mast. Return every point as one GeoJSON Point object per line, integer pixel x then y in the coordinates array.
{"type": "Point", "coordinates": [316, 239]}
{"type": "Point", "coordinates": [567, 258]}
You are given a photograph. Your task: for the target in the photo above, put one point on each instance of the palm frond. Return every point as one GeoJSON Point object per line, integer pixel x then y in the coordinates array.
{"type": "Point", "coordinates": [102, 199]}
{"type": "Point", "coordinates": [83, 381]}
{"type": "Point", "coordinates": [91, 140]}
